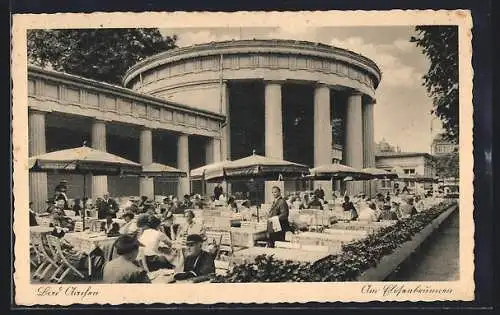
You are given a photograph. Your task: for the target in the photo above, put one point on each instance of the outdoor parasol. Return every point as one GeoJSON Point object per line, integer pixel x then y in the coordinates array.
{"type": "Point", "coordinates": [85, 161]}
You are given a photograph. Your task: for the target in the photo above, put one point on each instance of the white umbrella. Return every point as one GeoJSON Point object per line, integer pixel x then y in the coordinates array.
{"type": "Point", "coordinates": [83, 160]}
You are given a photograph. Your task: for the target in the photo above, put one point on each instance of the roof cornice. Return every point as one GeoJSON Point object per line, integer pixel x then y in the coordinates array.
{"type": "Point", "coordinates": [62, 77]}
{"type": "Point", "coordinates": [254, 46]}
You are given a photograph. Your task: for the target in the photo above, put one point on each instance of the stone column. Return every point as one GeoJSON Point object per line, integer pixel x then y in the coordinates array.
{"type": "Point", "coordinates": [226, 129]}
{"type": "Point", "coordinates": [216, 151]}
{"type": "Point", "coordinates": [183, 163]}
{"type": "Point", "coordinates": [146, 184]}
{"type": "Point", "coordinates": [368, 144]}
{"type": "Point", "coordinates": [354, 139]}
{"type": "Point", "coordinates": [322, 135]}
{"type": "Point", "coordinates": [213, 155]}
{"type": "Point", "coordinates": [37, 145]}
{"type": "Point", "coordinates": [273, 120]}
{"type": "Point", "coordinates": [273, 127]}
{"type": "Point", "coordinates": [98, 140]}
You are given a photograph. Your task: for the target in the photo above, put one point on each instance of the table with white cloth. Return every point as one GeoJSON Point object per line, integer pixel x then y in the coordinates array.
{"type": "Point", "coordinates": [87, 242]}
{"type": "Point", "coordinates": [40, 229]}
{"type": "Point", "coordinates": [248, 255]}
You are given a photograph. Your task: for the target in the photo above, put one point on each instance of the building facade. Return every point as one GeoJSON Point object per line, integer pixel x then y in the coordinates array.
{"type": "Point", "coordinates": [441, 146]}
{"type": "Point", "coordinates": [200, 104]}
{"type": "Point", "coordinates": [408, 163]}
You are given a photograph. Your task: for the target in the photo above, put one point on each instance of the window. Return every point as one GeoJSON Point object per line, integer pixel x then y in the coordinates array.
{"type": "Point", "coordinates": [385, 183]}
{"type": "Point", "coordinates": [409, 171]}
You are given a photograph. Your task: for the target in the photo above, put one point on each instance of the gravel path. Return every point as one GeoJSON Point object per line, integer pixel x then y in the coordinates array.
{"type": "Point", "coordinates": [438, 259]}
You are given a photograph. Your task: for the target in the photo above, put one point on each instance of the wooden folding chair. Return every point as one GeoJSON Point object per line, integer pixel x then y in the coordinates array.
{"type": "Point", "coordinates": [225, 245]}
{"type": "Point", "coordinates": [60, 256]}
{"type": "Point", "coordinates": [35, 262]}
{"type": "Point", "coordinates": [45, 257]}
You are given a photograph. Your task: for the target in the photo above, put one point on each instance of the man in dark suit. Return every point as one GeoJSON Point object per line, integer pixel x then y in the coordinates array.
{"type": "Point", "coordinates": [279, 208]}
{"type": "Point", "coordinates": [107, 207]}
{"type": "Point", "coordinates": [197, 261]}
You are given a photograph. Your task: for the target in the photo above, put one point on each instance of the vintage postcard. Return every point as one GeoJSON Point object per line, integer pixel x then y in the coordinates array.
{"type": "Point", "coordinates": [246, 157]}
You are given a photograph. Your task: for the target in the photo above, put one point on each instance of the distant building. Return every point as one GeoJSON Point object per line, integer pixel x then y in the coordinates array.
{"type": "Point", "coordinates": [441, 146]}
{"type": "Point", "coordinates": [384, 146]}
{"type": "Point", "coordinates": [441, 149]}
{"type": "Point", "coordinates": [407, 163]}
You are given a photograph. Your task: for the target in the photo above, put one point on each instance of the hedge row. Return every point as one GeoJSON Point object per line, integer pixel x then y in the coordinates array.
{"type": "Point", "coordinates": [354, 258]}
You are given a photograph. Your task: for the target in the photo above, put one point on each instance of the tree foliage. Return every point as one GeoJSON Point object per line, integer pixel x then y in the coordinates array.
{"type": "Point", "coordinates": [447, 165]}
{"type": "Point", "coordinates": [100, 54]}
{"type": "Point", "coordinates": [440, 45]}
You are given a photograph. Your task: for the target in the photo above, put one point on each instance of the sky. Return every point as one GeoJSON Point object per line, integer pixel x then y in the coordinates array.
{"type": "Point", "coordinates": [402, 112]}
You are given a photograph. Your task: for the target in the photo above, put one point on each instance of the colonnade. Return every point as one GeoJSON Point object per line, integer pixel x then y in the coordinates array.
{"type": "Point", "coordinates": [358, 149]}
{"type": "Point", "coordinates": [359, 143]}
{"type": "Point", "coordinates": [99, 184]}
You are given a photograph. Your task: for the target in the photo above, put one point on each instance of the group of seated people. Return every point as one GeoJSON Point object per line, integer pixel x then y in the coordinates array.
{"type": "Point", "coordinates": [305, 201]}
{"type": "Point", "coordinates": [62, 211]}
{"type": "Point", "coordinates": [156, 235]}
{"type": "Point", "coordinates": [125, 268]}
{"type": "Point", "coordinates": [383, 208]}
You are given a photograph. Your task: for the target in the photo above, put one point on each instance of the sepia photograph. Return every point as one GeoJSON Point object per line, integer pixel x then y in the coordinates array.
{"type": "Point", "coordinates": [224, 153]}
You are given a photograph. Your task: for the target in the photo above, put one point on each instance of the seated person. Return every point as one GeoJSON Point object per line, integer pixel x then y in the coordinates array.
{"type": "Point", "coordinates": [305, 202]}
{"type": "Point", "coordinates": [296, 203]}
{"type": "Point", "coordinates": [32, 214]}
{"type": "Point", "coordinates": [369, 214]}
{"type": "Point", "coordinates": [315, 203]}
{"type": "Point", "coordinates": [246, 212]}
{"type": "Point", "coordinates": [50, 205]}
{"type": "Point", "coordinates": [142, 223]}
{"type": "Point", "coordinates": [222, 198]}
{"type": "Point", "coordinates": [349, 206]}
{"type": "Point", "coordinates": [176, 207]}
{"type": "Point", "coordinates": [388, 214]}
{"type": "Point", "coordinates": [419, 204]}
{"type": "Point", "coordinates": [197, 262]}
{"type": "Point", "coordinates": [395, 209]}
{"type": "Point", "coordinates": [231, 205]}
{"type": "Point", "coordinates": [151, 237]}
{"type": "Point", "coordinates": [191, 227]}
{"type": "Point", "coordinates": [130, 226]}
{"type": "Point", "coordinates": [407, 209]}
{"type": "Point", "coordinates": [165, 206]}
{"type": "Point", "coordinates": [148, 207]}
{"type": "Point", "coordinates": [59, 218]}
{"type": "Point", "coordinates": [186, 203]}
{"type": "Point", "coordinates": [78, 206]}
{"type": "Point", "coordinates": [169, 227]}
{"type": "Point", "coordinates": [142, 201]}
{"type": "Point", "coordinates": [106, 225]}
{"type": "Point", "coordinates": [197, 203]}
{"type": "Point", "coordinates": [123, 268]}
{"type": "Point", "coordinates": [289, 201]}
